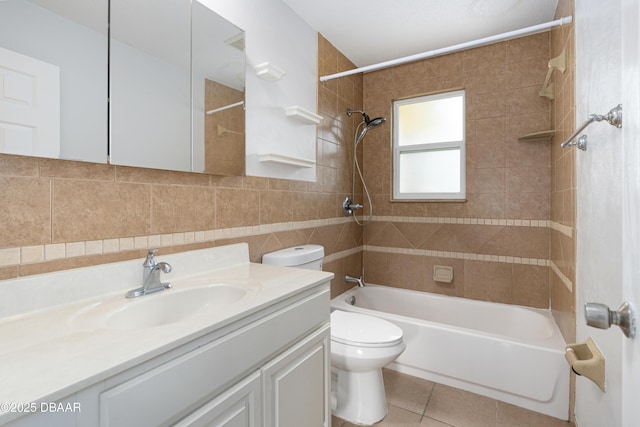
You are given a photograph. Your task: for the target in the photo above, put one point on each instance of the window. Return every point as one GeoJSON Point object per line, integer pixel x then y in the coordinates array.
{"type": "Point", "coordinates": [428, 147]}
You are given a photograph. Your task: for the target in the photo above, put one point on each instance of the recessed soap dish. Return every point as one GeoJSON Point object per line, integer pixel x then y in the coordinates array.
{"type": "Point", "coordinates": [537, 135]}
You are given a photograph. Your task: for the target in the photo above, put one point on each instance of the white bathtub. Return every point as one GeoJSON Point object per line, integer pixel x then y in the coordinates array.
{"type": "Point", "coordinates": [510, 353]}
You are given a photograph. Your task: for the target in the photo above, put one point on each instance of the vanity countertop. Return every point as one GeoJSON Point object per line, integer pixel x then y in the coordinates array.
{"type": "Point", "coordinates": [50, 352]}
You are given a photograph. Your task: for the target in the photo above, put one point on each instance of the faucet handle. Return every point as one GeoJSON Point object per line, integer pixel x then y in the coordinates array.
{"type": "Point", "coordinates": [150, 260]}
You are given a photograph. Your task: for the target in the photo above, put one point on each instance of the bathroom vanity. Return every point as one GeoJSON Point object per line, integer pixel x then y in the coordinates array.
{"type": "Point", "coordinates": [232, 343]}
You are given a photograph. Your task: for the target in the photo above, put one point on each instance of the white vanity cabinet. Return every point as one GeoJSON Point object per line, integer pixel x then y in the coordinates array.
{"type": "Point", "coordinates": [295, 385]}
{"type": "Point", "coordinates": [269, 368]}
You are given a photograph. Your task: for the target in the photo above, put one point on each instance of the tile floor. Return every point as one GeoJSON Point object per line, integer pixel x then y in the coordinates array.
{"type": "Point", "coordinates": [416, 402]}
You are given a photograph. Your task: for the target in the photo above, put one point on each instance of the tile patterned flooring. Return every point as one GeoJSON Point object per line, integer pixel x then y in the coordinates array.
{"type": "Point", "coordinates": [414, 402]}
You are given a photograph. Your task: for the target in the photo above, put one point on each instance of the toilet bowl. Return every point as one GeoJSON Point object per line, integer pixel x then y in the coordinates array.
{"type": "Point", "coordinates": [361, 346]}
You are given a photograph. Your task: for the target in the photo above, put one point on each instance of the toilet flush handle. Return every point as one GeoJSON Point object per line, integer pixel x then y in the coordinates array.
{"type": "Point", "coordinates": [600, 316]}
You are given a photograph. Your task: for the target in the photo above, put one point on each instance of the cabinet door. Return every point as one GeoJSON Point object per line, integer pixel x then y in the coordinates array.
{"type": "Point", "coordinates": [296, 384]}
{"type": "Point", "coordinates": [237, 407]}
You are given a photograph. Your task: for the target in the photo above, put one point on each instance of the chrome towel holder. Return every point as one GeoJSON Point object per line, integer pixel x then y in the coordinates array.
{"type": "Point", "coordinates": [614, 117]}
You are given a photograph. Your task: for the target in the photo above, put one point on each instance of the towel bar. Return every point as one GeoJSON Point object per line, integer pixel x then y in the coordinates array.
{"type": "Point", "coordinates": [613, 117]}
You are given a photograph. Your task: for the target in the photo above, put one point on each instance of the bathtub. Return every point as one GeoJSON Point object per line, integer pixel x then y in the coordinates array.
{"type": "Point", "coordinates": [511, 353]}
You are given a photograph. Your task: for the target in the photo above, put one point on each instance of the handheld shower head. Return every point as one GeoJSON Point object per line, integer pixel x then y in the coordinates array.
{"type": "Point", "coordinates": [375, 122]}
{"type": "Point", "coordinates": [367, 120]}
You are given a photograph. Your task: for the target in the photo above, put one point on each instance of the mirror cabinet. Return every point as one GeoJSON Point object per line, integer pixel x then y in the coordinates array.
{"type": "Point", "coordinates": [136, 83]}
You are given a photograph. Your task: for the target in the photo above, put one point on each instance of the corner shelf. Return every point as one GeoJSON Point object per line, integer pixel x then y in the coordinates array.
{"type": "Point", "coordinates": [305, 116]}
{"type": "Point", "coordinates": [286, 160]}
{"type": "Point", "coordinates": [269, 72]}
{"type": "Point", "coordinates": [537, 135]}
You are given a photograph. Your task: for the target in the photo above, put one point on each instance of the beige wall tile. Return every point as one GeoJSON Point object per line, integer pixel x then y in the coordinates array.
{"type": "Point", "coordinates": [524, 242]}
{"type": "Point", "coordinates": [531, 286]}
{"type": "Point", "coordinates": [76, 170]}
{"type": "Point", "coordinates": [19, 166]}
{"type": "Point", "coordinates": [182, 208]}
{"type": "Point", "coordinates": [25, 218]}
{"type": "Point", "coordinates": [89, 210]}
{"type": "Point", "coordinates": [237, 207]}
{"type": "Point", "coordinates": [488, 281]}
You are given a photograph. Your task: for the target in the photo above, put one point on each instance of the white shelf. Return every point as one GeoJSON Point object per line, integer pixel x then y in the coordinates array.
{"type": "Point", "coordinates": [269, 72]}
{"type": "Point", "coordinates": [303, 115]}
{"type": "Point", "coordinates": [286, 160]}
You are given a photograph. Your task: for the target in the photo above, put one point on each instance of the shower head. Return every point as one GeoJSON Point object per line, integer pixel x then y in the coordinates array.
{"type": "Point", "coordinates": [375, 122]}
{"type": "Point", "coordinates": [368, 121]}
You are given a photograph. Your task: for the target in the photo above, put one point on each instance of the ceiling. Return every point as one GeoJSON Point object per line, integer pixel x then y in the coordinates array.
{"type": "Point", "coordinates": [373, 31]}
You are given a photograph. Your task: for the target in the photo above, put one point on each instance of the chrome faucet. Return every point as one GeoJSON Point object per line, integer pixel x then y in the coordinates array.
{"type": "Point", "coordinates": [351, 279]}
{"type": "Point", "coordinates": [151, 276]}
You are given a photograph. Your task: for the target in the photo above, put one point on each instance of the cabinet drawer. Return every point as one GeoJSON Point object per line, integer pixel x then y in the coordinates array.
{"type": "Point", "coordinates": [169, 392]}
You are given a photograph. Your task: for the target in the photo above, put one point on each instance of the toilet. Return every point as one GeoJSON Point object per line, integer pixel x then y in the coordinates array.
{"type": "Point", "coordinates": [361, 345]}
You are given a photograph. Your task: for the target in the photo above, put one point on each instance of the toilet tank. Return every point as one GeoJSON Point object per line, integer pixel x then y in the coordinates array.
{"type": "Point", "coordinates": [304, 256]}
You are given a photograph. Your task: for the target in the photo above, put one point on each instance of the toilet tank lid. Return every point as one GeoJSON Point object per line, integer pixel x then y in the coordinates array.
{"type": "Point", "coordinates": [296, 255]}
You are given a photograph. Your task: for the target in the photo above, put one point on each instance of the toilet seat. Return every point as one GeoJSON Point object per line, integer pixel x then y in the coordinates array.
{"type": "Point", "coordinates": [361, 330]}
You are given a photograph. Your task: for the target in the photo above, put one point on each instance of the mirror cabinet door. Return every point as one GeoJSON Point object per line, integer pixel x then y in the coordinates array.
{"type": "Point", "coordinates": [150, 84]}
{"type": "Point", "coordinates": [218, 79]}
{"type": "Point", "coordinates": [53, 79]}
{"type": "Point", "coordinates": [165, 92]}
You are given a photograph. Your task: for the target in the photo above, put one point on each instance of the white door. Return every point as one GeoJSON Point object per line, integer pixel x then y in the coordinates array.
{"type": "Point", "coordinates": [29, 106]}
{"type": "Point", "coordinates": [608, 202]}
{"type": "Point", "coordinates": [631, 205]}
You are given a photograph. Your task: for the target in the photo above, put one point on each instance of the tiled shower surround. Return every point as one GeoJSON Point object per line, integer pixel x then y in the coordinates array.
{"type": "Point", "coordinates": [499, 240]}
{"type": "Point", "coordinates": [508, 181]}
{"type": "Point", "coordinates": [502, 241]}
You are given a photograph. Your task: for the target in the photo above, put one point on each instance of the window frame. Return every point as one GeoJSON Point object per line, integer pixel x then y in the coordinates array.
{"type": "Point", "coordinates": [434, 146]}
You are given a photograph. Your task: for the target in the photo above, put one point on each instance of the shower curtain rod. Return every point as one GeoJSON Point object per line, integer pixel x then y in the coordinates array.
{"type": "Point", "coordinates": [453, 48]}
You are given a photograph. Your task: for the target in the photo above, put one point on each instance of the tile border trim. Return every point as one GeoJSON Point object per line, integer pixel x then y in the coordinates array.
{"type": "Point", "coordinates": [564, 229]}
{"type": "Point", "coordinates": [50, 252]}
{"type": "Point", "coordinates": [564, 279]}
{"type": "Point", "coordinates": [460, 255]}
{"type": "Point", "coordinates": [465, 221]}
{"type": "Point", "coordinates": [42, 253]}
{"type": "Point", "coordinates": [342, 254]}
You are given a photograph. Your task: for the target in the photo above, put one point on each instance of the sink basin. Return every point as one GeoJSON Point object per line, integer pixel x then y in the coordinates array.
{"type": "Point", "coordinates": [169, 306]}
{"type": "Point", "coordinates": [172, 306]}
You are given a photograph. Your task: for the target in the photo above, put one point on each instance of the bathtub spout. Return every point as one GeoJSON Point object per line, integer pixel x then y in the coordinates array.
{"type": "Point", "coordinates": [351, 279]}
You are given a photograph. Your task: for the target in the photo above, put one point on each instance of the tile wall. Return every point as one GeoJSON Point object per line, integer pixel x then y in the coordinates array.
{"type": "Point", "coordinates": [62, 214]}
{"type": "Point", "coordinates": [497, 241]}
{"type": "Point", "coordinates": [563, 187]}
{"type": "Point", "coordinates": [563, 173]}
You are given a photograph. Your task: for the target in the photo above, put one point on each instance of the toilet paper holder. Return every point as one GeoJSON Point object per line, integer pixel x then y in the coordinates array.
{"type": "Point", "coordinates": [586, 360]}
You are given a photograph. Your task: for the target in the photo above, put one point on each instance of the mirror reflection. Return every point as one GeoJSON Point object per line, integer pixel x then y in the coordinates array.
{"type": "Point", "coordinates": [170, 65]}
{"type": "Point", "coordinates": [53, 79]}
{"type": "Point", "coordinates": [150, 84]}
{"type": "Point", "coordinates": [218, 62]}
